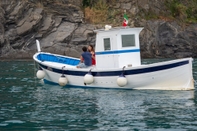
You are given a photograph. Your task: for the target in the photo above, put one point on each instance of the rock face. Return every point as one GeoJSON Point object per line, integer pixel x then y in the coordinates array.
{"type": "Point", "coordinates": [58, 26]}
{"type": "Point", "coordinates": [167, 39]}
{"type": "Point", "coordinates": [61, 29]}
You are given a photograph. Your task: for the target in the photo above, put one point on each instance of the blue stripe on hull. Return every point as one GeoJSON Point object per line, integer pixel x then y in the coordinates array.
{"type": "Point", "coordinates": [117, 52]}
{"type": "Point", "coordinates": [117, 73]}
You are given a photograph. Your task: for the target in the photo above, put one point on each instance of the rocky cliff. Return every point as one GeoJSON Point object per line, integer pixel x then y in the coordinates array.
{"type": "Point", "coordinates": [61, 27]}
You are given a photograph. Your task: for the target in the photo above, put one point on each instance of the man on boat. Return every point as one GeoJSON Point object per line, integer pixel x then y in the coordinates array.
{"type": "Point", "coordinates": [85, 59]}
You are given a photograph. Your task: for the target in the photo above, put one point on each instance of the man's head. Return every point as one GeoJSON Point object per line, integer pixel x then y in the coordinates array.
{"type": "Point", "coordinates": [84, 49]}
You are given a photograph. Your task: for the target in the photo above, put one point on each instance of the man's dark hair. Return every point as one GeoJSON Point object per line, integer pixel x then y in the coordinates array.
{"type": "Point", "coordinates": [84, 49]}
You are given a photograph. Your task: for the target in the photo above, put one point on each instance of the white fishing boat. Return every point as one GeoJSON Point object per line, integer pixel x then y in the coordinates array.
{"type": "Point", "coordinates": [118, 65]}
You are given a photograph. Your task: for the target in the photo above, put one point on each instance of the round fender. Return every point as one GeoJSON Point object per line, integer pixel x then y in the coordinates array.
{"type": "Point", "coordinates": [88, 78]}
{"type": "Point", "coordinates": [40, 74]}
{"type": "Point", "coordinates": [122, 81]}
{"type": "Point", "coordinates": [62, 81]}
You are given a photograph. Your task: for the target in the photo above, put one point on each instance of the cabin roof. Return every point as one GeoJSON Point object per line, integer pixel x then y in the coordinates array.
{"type": "Point", "coordinates": [117, 28]}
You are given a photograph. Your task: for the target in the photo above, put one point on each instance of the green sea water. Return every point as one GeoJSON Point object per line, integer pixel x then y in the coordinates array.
{"type": "Point", "coordinates": [26, 104]}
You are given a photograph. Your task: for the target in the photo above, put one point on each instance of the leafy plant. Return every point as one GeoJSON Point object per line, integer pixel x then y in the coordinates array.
{"type": "Point", "coordinates": [184, 10]}
{"type": "Point", "coordinates": [95, 13]}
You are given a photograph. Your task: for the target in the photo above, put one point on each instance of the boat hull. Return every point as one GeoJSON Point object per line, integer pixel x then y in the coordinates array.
{"type": "Point", "coordinates": [170, 75]}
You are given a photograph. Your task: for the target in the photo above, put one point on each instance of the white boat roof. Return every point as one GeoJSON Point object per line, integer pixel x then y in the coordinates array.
{"type": "Point", "coordinates": [118, 28]}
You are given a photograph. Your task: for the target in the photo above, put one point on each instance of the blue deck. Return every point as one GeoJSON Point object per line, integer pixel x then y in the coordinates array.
{"type": "Point", "coordinates": [58, 59]}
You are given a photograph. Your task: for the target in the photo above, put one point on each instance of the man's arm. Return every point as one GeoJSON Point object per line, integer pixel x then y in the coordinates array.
{"type": "Point", "coordinates": [81, 59]}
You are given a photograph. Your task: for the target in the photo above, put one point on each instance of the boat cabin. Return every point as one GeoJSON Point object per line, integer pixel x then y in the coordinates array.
{"type": "Point", "coordinates": [117, 47]}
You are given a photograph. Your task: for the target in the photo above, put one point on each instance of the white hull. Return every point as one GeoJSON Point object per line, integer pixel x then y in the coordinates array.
{"type": "Point", "coordinates": [170, 75]}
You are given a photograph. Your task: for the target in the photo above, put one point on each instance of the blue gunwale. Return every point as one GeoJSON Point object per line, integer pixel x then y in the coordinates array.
{"type": "Point", "coordinates": [117, 52]}
{"type": "Point", "coordinates": [58, 59]}
{"type": "Point", "coordinates": [117, 73]}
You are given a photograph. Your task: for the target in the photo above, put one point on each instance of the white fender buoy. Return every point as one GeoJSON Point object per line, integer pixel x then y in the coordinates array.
{"type": "Point", "coordinates": [88, 78]}
{"type": "Point", "coordinates": [40, 74]}
{"type": "Point", "coordinates": [121, 81]}
{"type": "Point", "coordinates": [62, 80]}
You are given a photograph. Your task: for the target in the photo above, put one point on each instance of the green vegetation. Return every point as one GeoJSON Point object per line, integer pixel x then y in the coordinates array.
{"type": "Point", "coordinates": [149, 15]}
{"type": "Point", "coordinates": [99, 11]}
{"type": "Point", "coordinates": [184, 10]}
{"type": "Point", "coordinates": [95, 11]}
{"type": "Point", "coordinates": [88, 3]}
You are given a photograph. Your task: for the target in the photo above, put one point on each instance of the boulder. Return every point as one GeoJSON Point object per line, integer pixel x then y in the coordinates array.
{"type": "Point", "coordinates": [62, 34]}
{"type": "Point", "coordinates": [167, 39]}
{"type": "Point", "coordinates": [32, 18]}
{"type": "Point", "coordinates": [2, 30]}
{"type": "Point", "coordinates": [59, 27]}
{"type": "Point", "coordinates": [82, 33]}
{"type": "Point", "coordinates": [125, 6]}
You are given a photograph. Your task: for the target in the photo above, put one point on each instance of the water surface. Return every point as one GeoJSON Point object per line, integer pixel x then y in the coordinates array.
{"type": "Point", "coordinates": [27, 104]}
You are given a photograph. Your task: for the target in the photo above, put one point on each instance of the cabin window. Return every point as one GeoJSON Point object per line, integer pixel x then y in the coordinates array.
{"type": "Point", "coordinates": [128, 40]}
{"type": "Point", "coordinates": [107, 45]}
